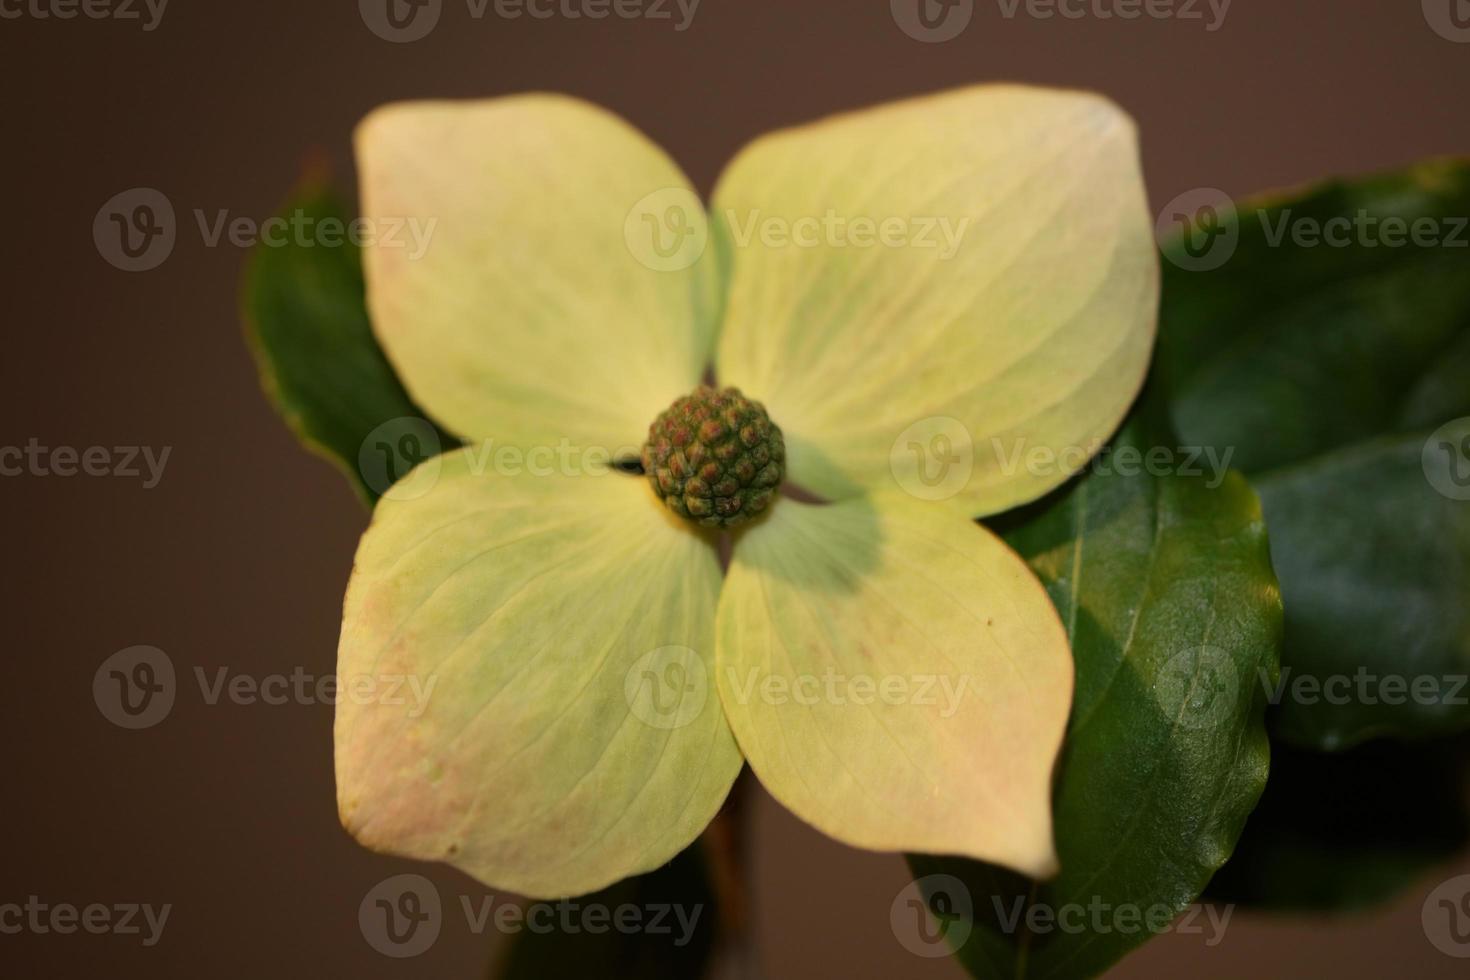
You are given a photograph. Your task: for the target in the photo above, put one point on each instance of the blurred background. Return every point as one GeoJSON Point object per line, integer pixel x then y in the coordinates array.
{"type": "Point", "coordinates": [237, 555]}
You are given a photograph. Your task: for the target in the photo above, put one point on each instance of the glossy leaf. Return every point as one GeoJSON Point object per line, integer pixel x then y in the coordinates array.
{"type": "Point", "coordinates": [307, 324]}
{"type": "Point", "coordinates": [1329, 366]}
{"type": "Point", "coordinates": [1165, 585]}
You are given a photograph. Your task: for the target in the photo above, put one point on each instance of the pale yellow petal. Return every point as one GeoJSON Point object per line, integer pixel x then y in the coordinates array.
{"type": "Point", "coordinates": [556, 727]}
{"type": "Point", "coordinates": [898, 678]}
{"type": "Point", "coordinates": [970, 277]}
{"type": "Point", "coordinates": [528, 309]}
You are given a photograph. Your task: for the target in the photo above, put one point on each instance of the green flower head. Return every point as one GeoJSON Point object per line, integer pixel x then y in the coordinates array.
{"type": "Point", "coordinates": [899, 307]}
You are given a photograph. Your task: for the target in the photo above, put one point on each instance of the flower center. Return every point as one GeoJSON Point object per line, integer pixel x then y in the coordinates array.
{"type": "Point", "coordinates": [715, 457]}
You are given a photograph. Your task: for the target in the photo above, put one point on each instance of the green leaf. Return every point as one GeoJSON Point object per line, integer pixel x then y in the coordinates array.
{"type": "Point", "coordinates": [307, 324]}
{"type": "Point", "coordinates": [1165, 584]}
{"type": "Point", "coordinates": [1330, 371]}
{"type": "Point", "coordinates": [1348, 829]}
{"type": "Point", "coordinates": [682, 887]}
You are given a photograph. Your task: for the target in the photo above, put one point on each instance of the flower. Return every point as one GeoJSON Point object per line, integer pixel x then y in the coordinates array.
{"type": "Point", "coordinates": [891, 671]}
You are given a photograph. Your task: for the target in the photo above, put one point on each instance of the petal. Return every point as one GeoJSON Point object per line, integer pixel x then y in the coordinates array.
{"type": "Point", "coordinates": [898, 678]}
{"type": "Point", "coordinates": [1011, 310]}
{"type": "Point", "coordinates": [530, 315]}
{"type": "Point", "coordinates": [530, 614]}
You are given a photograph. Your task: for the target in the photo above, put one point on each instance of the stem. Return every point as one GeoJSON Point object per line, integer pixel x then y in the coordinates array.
{"type": "Point", "coordinates": [725, 850]}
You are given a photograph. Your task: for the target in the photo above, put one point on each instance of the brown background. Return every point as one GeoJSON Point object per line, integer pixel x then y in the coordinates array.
{"type": "Point", "coordinates": [240, 555]}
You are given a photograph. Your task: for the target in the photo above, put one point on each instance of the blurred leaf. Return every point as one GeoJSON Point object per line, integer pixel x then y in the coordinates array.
{"type": "Point", "coordinates": [1346, 830]}
{"type": "Point", "coordinates": [1328, 368]}
{"type": "Point", "coordinates": [1165, 585]}
{"type": "Point", "coordinates": [307, 324]}
{"type": "Point", "coordinates": [681, 887]}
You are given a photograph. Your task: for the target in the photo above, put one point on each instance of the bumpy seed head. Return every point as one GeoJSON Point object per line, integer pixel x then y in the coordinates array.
{"type": "Point", "coordinates": [715, 457]}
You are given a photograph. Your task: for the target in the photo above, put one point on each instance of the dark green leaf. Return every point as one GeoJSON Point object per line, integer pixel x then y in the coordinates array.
{"type": "Point", "coordinates": [1165, 586]}
{"type": "Point", "coordinates": [307, 323]}
{"type": "Point", "coordinates": [680, 887]}
{"type": "Point", "coordinates": [1329, 369]}
{"type": "Point", "coordinates": [1348, 829]}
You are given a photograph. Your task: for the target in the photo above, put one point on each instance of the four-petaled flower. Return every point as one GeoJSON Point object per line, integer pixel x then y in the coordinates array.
{"type": "Point", "coordinates": [891, 671]}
